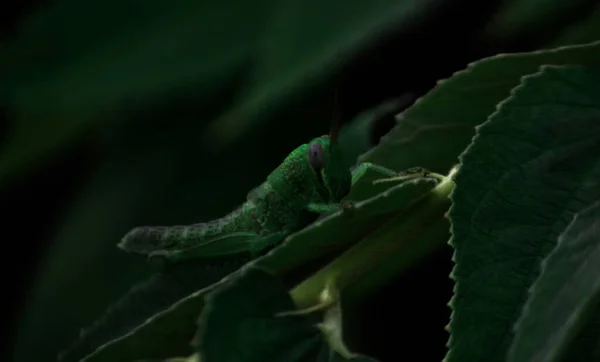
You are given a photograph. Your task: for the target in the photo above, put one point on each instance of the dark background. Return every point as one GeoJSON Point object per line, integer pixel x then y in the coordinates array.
{"type": "Point", "coordinates": [92, 147]}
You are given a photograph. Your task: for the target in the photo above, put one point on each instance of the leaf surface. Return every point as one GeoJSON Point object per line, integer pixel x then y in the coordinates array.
{"type": "Point", "coordinates": [562, 297]}
{"type": "Point", "coordinates": [530, 169]}
{"type": "Point", "coordinates": [168, 328]}
{"type": "Point", "coordinates": [252, 331]}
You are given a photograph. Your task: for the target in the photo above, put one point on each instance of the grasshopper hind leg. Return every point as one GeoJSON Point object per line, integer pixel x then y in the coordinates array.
{"type": "Point", "coordinates": [147, 239]}
{"type": "Point", "coordinates": [167, 244]}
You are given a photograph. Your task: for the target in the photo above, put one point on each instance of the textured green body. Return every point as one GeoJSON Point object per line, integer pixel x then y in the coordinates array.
{"type": "Point", "coordinates": [287, 201]}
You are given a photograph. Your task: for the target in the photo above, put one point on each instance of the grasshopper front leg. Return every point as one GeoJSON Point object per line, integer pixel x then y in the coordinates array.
{"type": "Point", "coordinates": [357, 174]}
{"type": "Point", "coordinates": [388, 175]}
{"type": "Point", "coordinates": [361, 170]}
{"type": "Point", "coordinates": [410, 174]}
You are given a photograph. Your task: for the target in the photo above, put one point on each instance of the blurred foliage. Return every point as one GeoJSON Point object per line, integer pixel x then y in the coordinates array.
{"type": "Point", "coordinates": [537, 21]}
{"type": "Point", "coordinates": [583, 31]}
{"type": "Point", "coordinates": [86, 78]}
{"type": "Point", "coordinates": [127, 113]}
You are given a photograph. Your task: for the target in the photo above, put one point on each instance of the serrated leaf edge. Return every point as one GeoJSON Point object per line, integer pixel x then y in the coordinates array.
{"type": "Point", "coordinates": [523, 82]}
{"type": "Point", "coordinates": [498, 109]}
{"type": "Point", "coordinates": [469, 68]}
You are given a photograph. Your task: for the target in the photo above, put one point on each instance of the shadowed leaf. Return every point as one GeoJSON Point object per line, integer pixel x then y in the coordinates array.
{"type": "Point", "coordinates": [147, 298]}
{"type": "Point", "coordinates": [562, 297]}
{"type": "Point", "coordinates": [529, 170]}
{"type": "Point", "coordinates": [251, 331]}
{"type": "Point", "coordinates": [447, 116]}
{"type": "Point", "coordinates": [167, 329]}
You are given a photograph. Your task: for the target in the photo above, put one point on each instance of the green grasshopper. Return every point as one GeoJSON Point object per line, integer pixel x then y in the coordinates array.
{"type": "Point", "coordinates": [311, 181]}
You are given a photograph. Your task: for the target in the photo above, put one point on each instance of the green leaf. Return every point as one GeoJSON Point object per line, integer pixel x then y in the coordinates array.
{"type": "Point", "coordinates": [529, 170]}
{"type": "Point", "coordinates": [147, 298]}
{"type": "Point", "coordinates": [394, 245]}
{"type": "Point", "coordinates": [561, 299]}
{"type": "Point", "coordinates": [240, 323]}
{"type": "Point", "coordinates": [339, 230]}
{"type": "Point", "coordinates": [167, 329]}
{"type": "Point", "coordinates": [447, 116]}
{"type": "Point", "coordinates": [164, 334]}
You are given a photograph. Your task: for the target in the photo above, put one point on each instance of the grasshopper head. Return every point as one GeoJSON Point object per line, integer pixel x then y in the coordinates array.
{"type": "Point", "coordinates": [329, 164]}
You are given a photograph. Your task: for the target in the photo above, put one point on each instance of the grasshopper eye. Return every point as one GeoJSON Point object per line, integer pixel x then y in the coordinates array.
{"type": "Point", "coordinates": [315, 155]}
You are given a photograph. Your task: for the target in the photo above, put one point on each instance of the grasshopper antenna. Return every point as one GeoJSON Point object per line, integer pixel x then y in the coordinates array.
{"type": "Point", "coordinates": [336, 122]}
